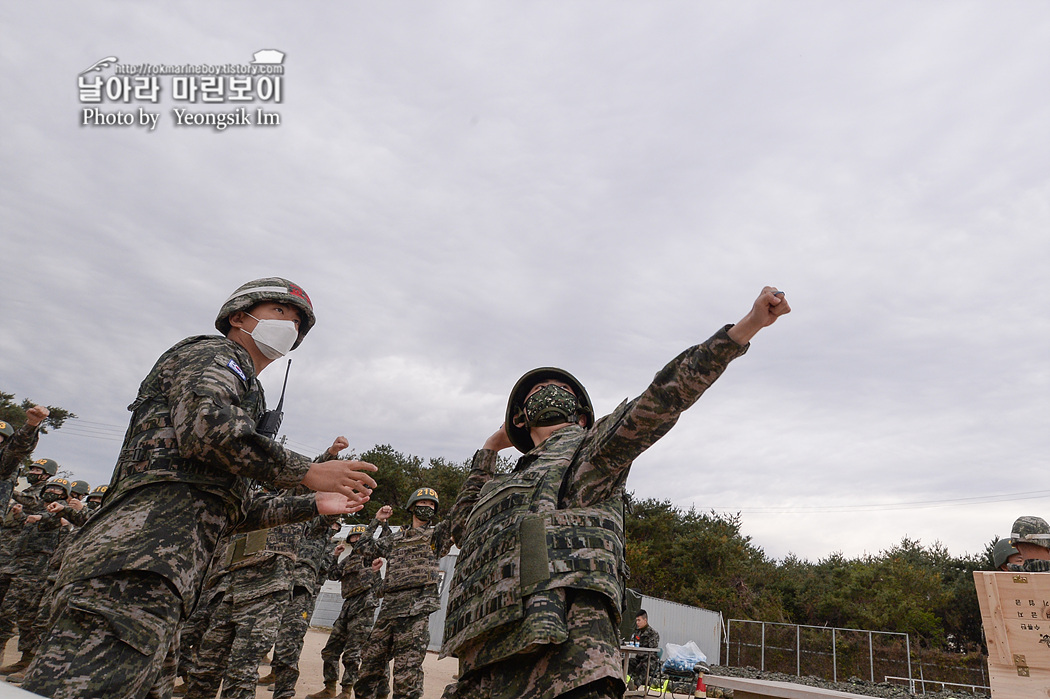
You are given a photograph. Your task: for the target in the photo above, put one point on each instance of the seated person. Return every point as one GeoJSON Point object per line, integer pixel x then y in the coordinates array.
{"type": "Point", "coordinates": [643, 665]}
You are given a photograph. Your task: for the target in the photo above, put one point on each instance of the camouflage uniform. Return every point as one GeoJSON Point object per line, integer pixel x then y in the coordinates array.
{"type": "Point", "coordinates": [245, 623]}
{"type": "Point", "coordinates": [182, 479]}
{"type": "Point", "coordinates": [642, 667]}
{"type": "Point", "coordinates": [17, 447]}
{"type": "Point", "coordinates": [410, 594]}
{"type": "Point", "coordinates": [358, 586]}
{"type": "Point", "coordinates": [314, 559]}
{"type": "Point", "coordinates": [28, 568]}
{"type": "Point", "coordinates": [536, 596]}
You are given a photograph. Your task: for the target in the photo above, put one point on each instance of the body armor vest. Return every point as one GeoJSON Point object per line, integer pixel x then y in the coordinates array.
{"type": "Point", "coordinates": [412, 561]}
{"type": "Point", "coordinates": [518, 544]}
{"type": "Point", "coordinates": [357, 575]}
{"type": "Point", "coordinates": [151, 452]}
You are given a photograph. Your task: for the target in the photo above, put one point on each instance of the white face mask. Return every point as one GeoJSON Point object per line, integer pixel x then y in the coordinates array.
{"type": "Point", "coordinates": [274, 338]}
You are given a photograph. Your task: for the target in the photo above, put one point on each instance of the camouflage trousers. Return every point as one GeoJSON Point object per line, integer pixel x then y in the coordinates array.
{"type": "Point", "coordinates": [108, 637]}
{"type": "Point", "coordinates": [238, 636]}
{"type": "Point", "coordinates": [19, 608]}
{"type": "Point", "coordinates": [43, 616]}
{"type": "Point", "coordinates": [289, 645]}
{"type": "Point", "coordinates": [404, 640]}
{"type": "Point", "coordinates": [349, 633]}
{"type": "Point", "coordinates": [193, 631]}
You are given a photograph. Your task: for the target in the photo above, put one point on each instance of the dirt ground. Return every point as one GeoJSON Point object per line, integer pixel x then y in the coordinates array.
{"type": "Point", "coordinates": [436, 673]}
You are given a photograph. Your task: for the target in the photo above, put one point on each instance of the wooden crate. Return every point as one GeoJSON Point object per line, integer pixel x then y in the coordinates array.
{"type": "Point", "coordinates": [1015, 610]}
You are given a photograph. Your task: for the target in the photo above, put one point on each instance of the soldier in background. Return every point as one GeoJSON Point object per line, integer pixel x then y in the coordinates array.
{"type": "Point", "coordinates": [1004, 554]}
{"type": "Point", "coordinates": [182, 481]}
{"type": "Point", "coordinates": [16, 445]}
{"type": "Point", "coordinates": [315, 557]}
{"type": "Point", "coordinates": [537, 591]}
{"type": "Point", "coordinates": [1030, 537]}
{"type": "Point", "coordinates": [646, 637]}
{"type": "Point", "coordinates": [359, 584]}
{"type": "Point", "coordinates": [410, 593]}
{"type": "Point", "coordinates": [28, 567]}
{"type": "Point", "coordinates": [71, 511]}
{"type": "Point", "coordinates": [245, 623]}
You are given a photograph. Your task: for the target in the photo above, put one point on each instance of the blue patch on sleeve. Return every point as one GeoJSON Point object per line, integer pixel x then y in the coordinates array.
{"type": "Point", "coordinates": [236, 370]}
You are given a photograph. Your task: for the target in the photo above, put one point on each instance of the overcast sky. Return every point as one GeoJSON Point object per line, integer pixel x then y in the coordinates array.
{"type": "Point", "coordinates": [470, 190]}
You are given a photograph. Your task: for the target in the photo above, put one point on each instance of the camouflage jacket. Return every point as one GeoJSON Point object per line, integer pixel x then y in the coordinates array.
{"type": "Point", "coordinates": [411, 583]}
{"type": "Point", "coordinates": [591, 469]}
{"type": "Point", "coordinates": [34, 546]}
{"type": "Point", "coordinates": [354, 572]}
{"type": "Point", "coordinates": [646, 638]}
{"type": "Point", "coordinates": [314, 557]}
{"type": "Point", "coordinates": [183, 476]}
{"type": "Point", "coordinates": [30, 499]}
{"type": "Point", "coordinates": [12, 451]}
{"type": "Point", "coordinates": [10, 527]}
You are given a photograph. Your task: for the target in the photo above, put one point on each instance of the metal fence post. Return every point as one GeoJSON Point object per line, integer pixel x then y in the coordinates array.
{"type": "Point", "coordinates": [911, 680]}
{"type": "Point", "coordinates": [871, 657]}
{"type": "Point", "coordinates": [834, 658]}
{"type": "Point", "coordinates": [763, 646]}
{"type": "Point", "coordinates": [798, 651]}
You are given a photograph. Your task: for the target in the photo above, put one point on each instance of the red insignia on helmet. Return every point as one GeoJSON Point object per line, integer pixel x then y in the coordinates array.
{"type": "Point", "coordinates": [298, 291]}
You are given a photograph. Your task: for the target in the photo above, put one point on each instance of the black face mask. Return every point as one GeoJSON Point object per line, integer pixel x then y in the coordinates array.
{"type": "Point", "coordinates": [424, 513]}
{"type": "Point", "coordinates": [35, 478]}
{"type": "Point", "coordinates": [52, 497]}
{"type": "Point", "coordinates": [93, 504]}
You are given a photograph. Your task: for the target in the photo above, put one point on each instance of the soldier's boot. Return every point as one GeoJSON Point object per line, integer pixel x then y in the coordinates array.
{"type": "Point", "coordinates": [327, 693]}
{"type": "Point", "coordinates": [17, 666]}
{"type": "Point", "coordinates": [268, 679]}
{"type": "Point", "coordinates": [17, 677]}
{"type": "Point", "coordinates": [345, 694]}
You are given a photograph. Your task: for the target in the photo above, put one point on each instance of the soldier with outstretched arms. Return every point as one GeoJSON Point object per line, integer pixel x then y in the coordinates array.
{"type": "Point", "coordinates": [536, 596]}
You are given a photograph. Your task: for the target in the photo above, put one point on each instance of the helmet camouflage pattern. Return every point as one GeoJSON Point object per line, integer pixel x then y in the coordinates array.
{"type": "Point", "coordinates": [62, 483]}
{"type": "Point", "coordinates": [1003, 549]}
{"type": "Point", "coordinates": [519, 433]}
{"type": "Point", "coordinates": [1032, 530]}
{"type": "Point", "coordinates": [50, 466]}
{"type": "Point", "coordinates": [80, 488]}
{"type": "Point", "coordinates": [273, 289]}
{"type": "Point", "coordinates": [6, 430]}
{"type": "Point", "coordinates": [422, 494]}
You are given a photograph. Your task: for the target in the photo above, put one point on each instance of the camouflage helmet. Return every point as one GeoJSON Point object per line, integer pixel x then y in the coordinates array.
{"type": "Point", "coordinates": [422, 494]}
{"type": "Point", "coordinates": [50, 466]}
{"type": "Point", "coordinates": [267, 289]}
{"type": "Point", "coordinates": [80, 488]}
{"type": "Point", "coordinates": [6, 430]}
{"type": "Point", "coordinates": [1003, 549]}
{"type": "Point", "coordinates": [1032, 530]}
{"type": "Point", "coordinates": [99, 491]}
{"type": "Point", "coordinates": [62, 483]}
{"type": "Point", "coordinates": [519, 434]}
